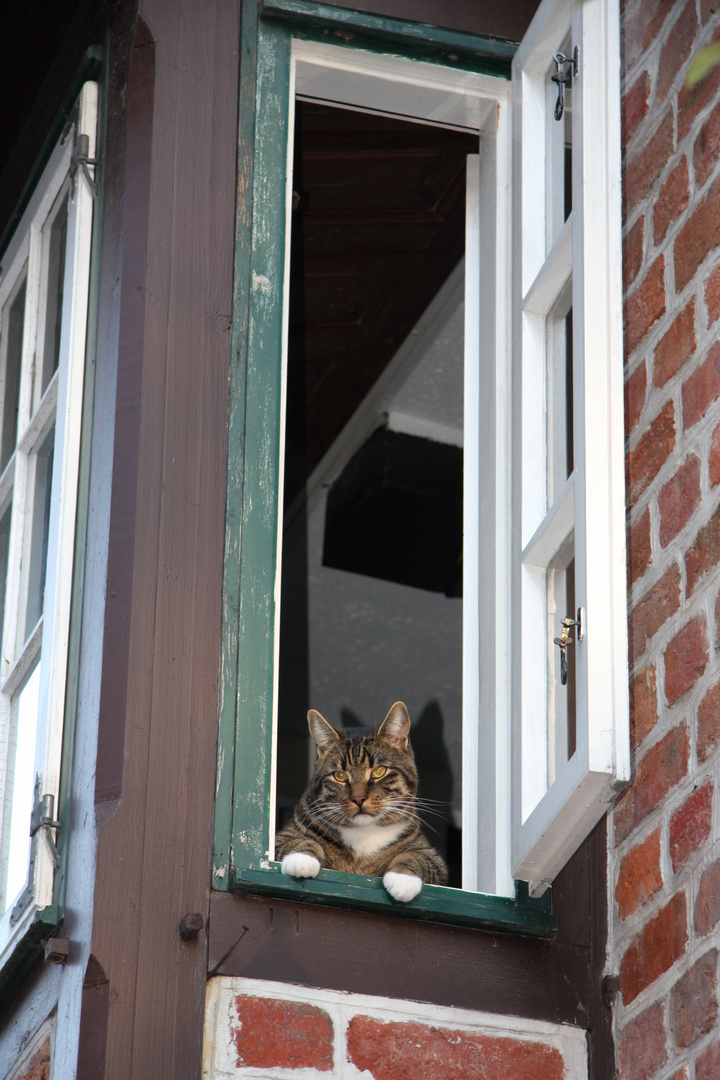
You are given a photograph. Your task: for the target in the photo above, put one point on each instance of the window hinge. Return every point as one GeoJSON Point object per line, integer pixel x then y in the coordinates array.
{"type": "Point", "coordinates": [564, 76]}
{"type": "Point", "coordinates": [44, 818]}
{"type": "Point", "coordinates": [81, 159]}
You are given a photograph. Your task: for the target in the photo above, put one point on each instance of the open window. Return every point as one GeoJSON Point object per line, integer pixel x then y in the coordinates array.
{"type": "Point", "coordinates": [386, 416]}
{"type": "Point", "coordinates": [44, 282]}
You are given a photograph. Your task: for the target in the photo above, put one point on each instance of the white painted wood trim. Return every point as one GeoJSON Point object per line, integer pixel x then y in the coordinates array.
{"type": "Point", "coordinates": [550, 825]}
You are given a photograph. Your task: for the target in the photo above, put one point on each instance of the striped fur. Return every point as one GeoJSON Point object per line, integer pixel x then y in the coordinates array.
{"type": "Point", "coordinates": [349, 819]}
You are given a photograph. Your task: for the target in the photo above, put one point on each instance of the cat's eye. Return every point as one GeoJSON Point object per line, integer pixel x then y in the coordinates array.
{"type": "Point", "coordinates": [378, 771]}
{"type": "Point", "coordinates": [340, 776]}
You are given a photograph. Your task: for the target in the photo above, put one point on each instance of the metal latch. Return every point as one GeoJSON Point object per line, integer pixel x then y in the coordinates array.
{"type": "Point", "coordinates": [563, 77]}
{"type": "Point", "coordinates": [566, 639]}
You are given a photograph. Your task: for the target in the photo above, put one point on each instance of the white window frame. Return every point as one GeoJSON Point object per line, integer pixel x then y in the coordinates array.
{"type": "Point", "coordinates": [552, 815]}
{"type": "Point", "coordinates": [61, 405]}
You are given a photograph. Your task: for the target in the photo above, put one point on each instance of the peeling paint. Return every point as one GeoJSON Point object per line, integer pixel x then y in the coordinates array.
{"type": "Point", "coordinates": [221, 871]}
{"type": "Point", "coordinates": [261, 284]}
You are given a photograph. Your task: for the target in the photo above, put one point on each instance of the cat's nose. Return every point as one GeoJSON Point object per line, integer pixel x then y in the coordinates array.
{"type": "Point", "coordinates": [359, 799]}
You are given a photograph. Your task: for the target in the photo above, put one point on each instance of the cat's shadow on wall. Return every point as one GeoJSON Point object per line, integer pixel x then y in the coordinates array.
{"type": "Point", "coordinates": [436, 781]}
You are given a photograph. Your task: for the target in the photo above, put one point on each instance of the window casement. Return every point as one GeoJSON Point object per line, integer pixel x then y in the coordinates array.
{"type": "Point", "coordinates": [507, 330]}
{"type": "Point", "coordinates": [44, 285]}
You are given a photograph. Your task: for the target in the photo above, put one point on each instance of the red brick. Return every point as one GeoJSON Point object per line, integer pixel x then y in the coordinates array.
{"type": "Point", "coordinates": [707, 1066]}
{"type": "Point", "coordinates": [645, 305]}
{"type": "Point", "coordinates": [641, 1046]}
{"type": "Point", "coordinates": [639, 548]}
{"type": "Point", "coordinates": [655, 949]}
{"type": "Point", "coordinates": [635, 106]}
{"type": "Point", "coordinates": [644, 166]}
{"type": "Point", "coordinates": [38, 1068]}
{"type": "Point", "coordinates": [643, 704]}
{"type": "Point", "coordinates": [405, 1051]}
{"type": "Point", "coordinates": [707, 905]}
{"type": "Point", "coordinates": [640, 876]}
{"type": "Point", "coordinates": [693, 1001]}
{"type": "Point", "coordinates": [681, 1074]}
{"type": "Point", "coordinates": [706, 149]}
{"type": "Point", "coordinates": [281, 1034]}
{"type": "Point", "coordinates": [686, 658]}
{"type": "Point", "coordinates": [712, 296]}
{"type": "Point", "coordinates": [644, 462]}
{"type": "Point", "coordinates": [708, 8]}
{"type": "Point", "coordinates": [635, 396]}
{"type": "Point", "coordinates": [658, 771]}
{"type": "Point", "coordinates": [690, 825]}
{"type": "Point", "coordinates": [678, 498]}
{"type": "Point", "coordinates": [698, 237]}
{"type": "Point", "coordinates": [693, 99]}
{"type": "Point", "coordinates": [708, 723]}
{"type": "Point", "coordinates": [704, 553]}
{"type": "Point", "coordinates": [717, 622]}
{"type": "Point", "coordinates": [702, 388]}
{"type": "Point", "coordinates": [714, 458]}
{"type": "Point", "coordinates": [654, 609]}
{"type": "Point", "coordinates": [672, 200]}
{"type": "Point", "coordinates": [675, 347]}
{"type": "Point", "coordinates": [677, 49]}
{"type": "Point", "coordinates": [641, 27]}
{"type": "Point", "coordinates": [633, 252]}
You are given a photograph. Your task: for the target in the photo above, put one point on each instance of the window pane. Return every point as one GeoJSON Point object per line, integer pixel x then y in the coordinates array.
{"type": "Point", "coordinates": [559, 136]}
{"type": "Point", "coordinates": [21, 785]}
{"type": "Point", "coordinates": [41, 473]}
{"type": "Point", "coordinates": [12, 344]}
{"type": "Point", "coordinates": [562, 713]}
{"type": "Point", "coordinates": [4, 554]}
{"type": "Point", "coordinates": [560, 434]}
{"type": "Point", "coordinates": [54, 294]}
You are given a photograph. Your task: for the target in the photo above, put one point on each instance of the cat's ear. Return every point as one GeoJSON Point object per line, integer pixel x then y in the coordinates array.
{"type": "Point", "coordinates": [395, 728]}
{"type": "Point", "coordinates": [323, 734]}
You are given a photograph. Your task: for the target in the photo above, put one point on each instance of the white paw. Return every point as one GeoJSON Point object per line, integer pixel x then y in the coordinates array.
{"type": "Point", "coordinates": [402, 886]}
{"type": "Point", "coordinates": [296, 864]}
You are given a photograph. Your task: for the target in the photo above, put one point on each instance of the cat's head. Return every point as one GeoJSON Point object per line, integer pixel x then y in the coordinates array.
{"type": "Point", "coordinates": [364, 780]}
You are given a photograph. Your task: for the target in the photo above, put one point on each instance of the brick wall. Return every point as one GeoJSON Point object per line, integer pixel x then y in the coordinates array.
{"type": "Point", "coordinates": [257, 1029]}
{"type": "Point", "coordinates": [35, 1061]}
{"type": "Point", "coordinates": [665, 843]}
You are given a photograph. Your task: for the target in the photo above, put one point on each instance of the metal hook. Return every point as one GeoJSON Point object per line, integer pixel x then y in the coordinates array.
{"type": "Point", "coordinates": [563, 641]}
{"type": "Point", "coordinates": [563, 78]}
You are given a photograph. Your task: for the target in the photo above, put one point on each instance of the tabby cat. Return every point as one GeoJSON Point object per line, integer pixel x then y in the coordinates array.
{"type": "Point", "coordinates": [359, 812]}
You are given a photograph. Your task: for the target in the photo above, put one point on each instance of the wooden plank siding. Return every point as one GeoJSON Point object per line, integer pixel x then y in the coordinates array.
{"type": "Point", "coordinates": [153, 861]}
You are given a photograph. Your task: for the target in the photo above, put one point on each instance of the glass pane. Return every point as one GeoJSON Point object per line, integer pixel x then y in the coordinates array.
{"type": "Point", "coordinates": [562, 717]}
{"type": "Point", "coordinates": [559, 135]}
{"type": "Point", "coordinates": [21, 786]}
{"type": "Point", "coordinates": [41, 480]}
{"type": "Point", "coordinates": [56, 244]}
{"type": "Point", "coordinates": [12, 344]}
{"type": "Point", "coordinates": [4, 553]}
{"type": "Point", "coordinates": [560, 433]}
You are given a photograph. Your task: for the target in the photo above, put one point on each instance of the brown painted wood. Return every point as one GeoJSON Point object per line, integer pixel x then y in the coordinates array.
{"type": "Point", "coordinates": [154, 852]}
{"type": "Point", "coordinates": [111, 735]}
{"type": "Point", "coordinates": [369, 954]}
{"type": "Point", "coordinates": [558, 981]}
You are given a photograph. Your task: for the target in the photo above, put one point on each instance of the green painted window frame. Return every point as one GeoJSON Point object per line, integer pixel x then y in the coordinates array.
{"type": "Point", "coordinates": [245, 775]}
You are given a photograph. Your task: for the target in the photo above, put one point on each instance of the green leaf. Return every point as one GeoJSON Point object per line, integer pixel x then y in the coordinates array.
{"type": "Point", "coordinates": [702, 65]}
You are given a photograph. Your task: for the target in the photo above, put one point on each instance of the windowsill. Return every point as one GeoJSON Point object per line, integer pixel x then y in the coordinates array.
{"type": "Point", "coordinates": [435, 903]}
{"type": "Point", "coordinates": [24, 943]}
